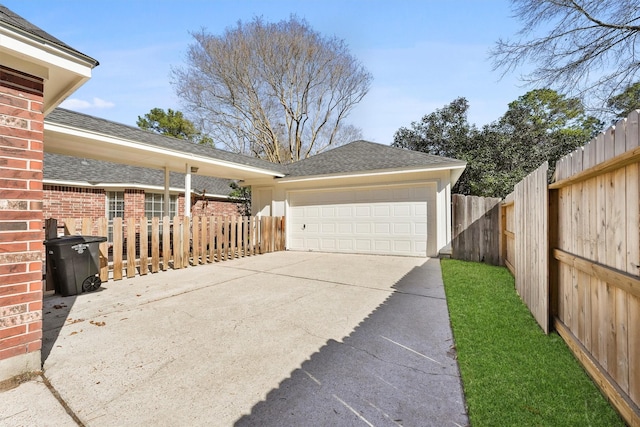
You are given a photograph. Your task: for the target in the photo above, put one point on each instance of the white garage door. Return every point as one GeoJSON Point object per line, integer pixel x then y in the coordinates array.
{"type": "Point", "coordinates": [391, 221]}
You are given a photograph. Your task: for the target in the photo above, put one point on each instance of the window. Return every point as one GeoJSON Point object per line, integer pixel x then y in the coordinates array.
{"type": "Point", "coordinates": [115, 204]}
{"type": "Point", "coordinates": [154, 205]}
{"type": "Point", "coordinates": [115, 208]}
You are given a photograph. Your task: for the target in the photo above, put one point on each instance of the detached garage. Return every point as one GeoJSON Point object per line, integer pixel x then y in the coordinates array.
{"type": "Point", "coordinates": [364, 198]}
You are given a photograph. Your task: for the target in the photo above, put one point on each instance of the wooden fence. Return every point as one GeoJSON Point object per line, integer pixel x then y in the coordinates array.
{"type": "Point", "coordinates": [475, 235]}
{"type": "Point", "coordinates": [574, 249]}
{"type": "Point", "coordinates": [531, 245]}
{"type": "Point", "coordinates": [142, 246]}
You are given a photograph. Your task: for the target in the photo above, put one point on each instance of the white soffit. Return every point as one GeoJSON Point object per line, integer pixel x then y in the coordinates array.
{"type": "Point", "coordinates": [62, 70]}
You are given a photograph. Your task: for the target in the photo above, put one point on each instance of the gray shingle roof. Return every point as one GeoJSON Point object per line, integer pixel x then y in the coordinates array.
{"type": "Point", "coordinates": [10, 18]}
{"type": "Point", "coordinates": [362, 156]}
{"type": "Point", "coordinates": [61, 116]}
{"type": "Point", "coordinates": [58, 167]}
{"type": "Point", "coordinates": [357, 156]}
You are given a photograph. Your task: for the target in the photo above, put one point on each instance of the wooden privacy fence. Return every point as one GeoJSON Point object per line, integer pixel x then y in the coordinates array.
{"type": "Point", "coordinates": [529, 259]}
{"type": "Point", "coordinates": [475, 235]}
{"type": "Point", "coordinates": [140, 246]}
{"type": "Point", "coordinates": [574, 249]}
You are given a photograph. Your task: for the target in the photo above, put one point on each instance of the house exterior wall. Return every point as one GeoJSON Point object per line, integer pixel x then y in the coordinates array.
{"type": "Point", "coordinates": [210, 208]}
{"type": "Point", "coordinates": [73, 202]}
{"type": "Point", "coordinates": [77, 202]}
{"type": "Point", "coordinates": [21, 234]}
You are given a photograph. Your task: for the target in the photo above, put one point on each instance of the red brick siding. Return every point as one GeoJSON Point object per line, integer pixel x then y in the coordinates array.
{"type": "Point", "coordinates": [21, 195]}
{"type": "Point", "coordinates": [212, 207]}
{"type": "Point", "coordinates": [133, 203]}
{"type": "Point", "coordinates": [74, 202]}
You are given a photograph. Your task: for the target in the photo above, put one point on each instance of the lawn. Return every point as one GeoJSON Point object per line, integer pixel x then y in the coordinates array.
{"type": "Point", "coordinates": [513, 374]}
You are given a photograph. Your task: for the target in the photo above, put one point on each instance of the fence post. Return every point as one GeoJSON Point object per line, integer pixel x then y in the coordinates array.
{"type": "Point", "coordinates": [50, 232]}
{"type": "Point", "coordinates": [103, 230]}
{"type": "Point", "coordinates": [186, 241]}
{"type": "Point", "coordinates": [554, 196]}
{"type": "Point", "coordinates": [131, 247]}
{"type": "Point", "coordinates": [117, 248]}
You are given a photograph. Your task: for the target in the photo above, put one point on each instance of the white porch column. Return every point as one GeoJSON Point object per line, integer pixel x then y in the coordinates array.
{"type": "Point", "coordinates": [187, 190]}
{"type": "Point", "coordinates": [167, 198]}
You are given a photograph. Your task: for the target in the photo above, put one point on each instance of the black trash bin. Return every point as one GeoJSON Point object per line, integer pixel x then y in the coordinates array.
{"type": "Point", "coordinates": [75, 263]}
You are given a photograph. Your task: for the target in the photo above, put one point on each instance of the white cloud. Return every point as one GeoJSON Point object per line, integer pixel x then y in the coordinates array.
{"type": "Point", "coordinates": [81, 104]}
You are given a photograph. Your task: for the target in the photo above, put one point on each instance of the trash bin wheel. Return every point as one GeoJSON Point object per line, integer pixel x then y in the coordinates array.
{"type": "Point", "coordinates": [91, 283]}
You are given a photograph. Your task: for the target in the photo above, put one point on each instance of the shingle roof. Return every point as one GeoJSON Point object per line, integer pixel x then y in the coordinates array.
{"type": "Point", "coordinates": [58, 167]}
{"type": "Point", "coordinates": [14, 20]}
{"type": "Point", "coordinates": [61, 116]}
{"type": "Point", "coordinates": [363, 156]}
{"type": "Point", "coordinates": [357, 156]}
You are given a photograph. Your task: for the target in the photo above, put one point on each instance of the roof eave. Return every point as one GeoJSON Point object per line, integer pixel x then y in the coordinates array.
{"type": "Point", "coordinates": [72, 140]}
{"type": "Point", "coordinates": [372, 173]}
{"type": "Point", "coordinates": [62, 69]}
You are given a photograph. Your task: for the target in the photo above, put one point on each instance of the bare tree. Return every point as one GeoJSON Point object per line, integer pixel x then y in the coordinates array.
{"type": "Point", "coordinates": [280, 91]}
{"type": "Point", "coordinates": [583, 46]}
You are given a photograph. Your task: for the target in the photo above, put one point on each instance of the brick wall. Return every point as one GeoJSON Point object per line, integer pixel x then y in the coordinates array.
{"type": "Point", "coordinates": [209, 207]}
{"type": "Point", "coordinates": [134, 203]}
{"type": "Point", "coordinates": [21, 234]}
{"type": "Point", "coordinates": [73, 202]}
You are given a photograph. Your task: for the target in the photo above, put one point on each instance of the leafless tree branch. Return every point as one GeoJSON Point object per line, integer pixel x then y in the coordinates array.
{"type": "Point", "coordinates": [279, 91]}
{"type": "Point", "coordinates": [578, 46]}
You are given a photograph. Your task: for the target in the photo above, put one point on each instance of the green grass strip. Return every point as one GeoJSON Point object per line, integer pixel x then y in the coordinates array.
{"type": "Point", "coordinates": [513, 374]}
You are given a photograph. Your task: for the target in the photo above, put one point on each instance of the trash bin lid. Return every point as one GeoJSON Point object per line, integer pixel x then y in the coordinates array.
{"type": "Point", "coordinates": [94, 239]}
{"type": "Point", "coordinates": [72, 240]}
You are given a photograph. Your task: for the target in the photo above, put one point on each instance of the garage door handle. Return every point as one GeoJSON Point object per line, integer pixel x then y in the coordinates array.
{"type": "Point", "coordinates": [304, 226]}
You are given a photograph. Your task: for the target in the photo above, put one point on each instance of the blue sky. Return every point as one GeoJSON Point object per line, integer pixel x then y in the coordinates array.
{"type": "Point", "coordinates": [422, 54]}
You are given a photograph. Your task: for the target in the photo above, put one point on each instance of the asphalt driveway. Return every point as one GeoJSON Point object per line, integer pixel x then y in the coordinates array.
{"type": "Point", "coordinates": [283, 339]}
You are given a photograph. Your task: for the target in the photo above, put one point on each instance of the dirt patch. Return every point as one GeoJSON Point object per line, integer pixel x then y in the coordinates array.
{"type": "Point", "coordinates": [14, 382]}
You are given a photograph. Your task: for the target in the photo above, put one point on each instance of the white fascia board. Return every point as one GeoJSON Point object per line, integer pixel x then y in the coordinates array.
{"type": "Point", "coordinates": [41, 52]}
{"type": "Point", "coordinates": [367, 174]}
{"type": "Point", "coordinates": [152, 149]}
{"type": "Point", "coordinates": [112, 186]}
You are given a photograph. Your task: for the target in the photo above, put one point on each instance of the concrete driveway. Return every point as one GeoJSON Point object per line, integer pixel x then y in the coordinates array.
{"type": "Point", "coordinates": [283, 339]}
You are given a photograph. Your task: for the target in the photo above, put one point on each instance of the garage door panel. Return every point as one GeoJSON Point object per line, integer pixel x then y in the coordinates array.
{"type": "Point", "coordinates": [382, 246]}
{"type": "Point", "coordinates": [363, 211]}
{"type": "Point", "coordinates": [328, 212]}
{"type": "Point", "coordinates": [382, 211]}
{"type": "Point", "coordinates": [363, 228]}
{"type": "Point", "coordinates": [345, 228]}
{"type": "Point", "coordinates": [382, 228]}
{"type": "Point", "coordinates": [374, 220]}
{"type": "Point", "coordinates": [345, 244]}
{"type": "Point", "coordinates": [402, 228]}
{"type": "Point", "coordinates": [328, 244]}
{"type": "Point", "coordinates": [328, 228]}
{"type": "Point", "coordinates": [401, 211]}
{"type": "Point", "coordinates": [311, 212]}
{"type": "Point", "coordinates": [402, 246]}
{"type": "Point", "coordinates": [344, 211]}
{"type": "Point", "coordinates": [363, 245]}
{"type": "Point", "coordinates": [312, 244]}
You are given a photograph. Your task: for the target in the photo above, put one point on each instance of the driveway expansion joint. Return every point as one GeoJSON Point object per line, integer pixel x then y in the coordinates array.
{"type": "Point", "coordinates": [62, 402]}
